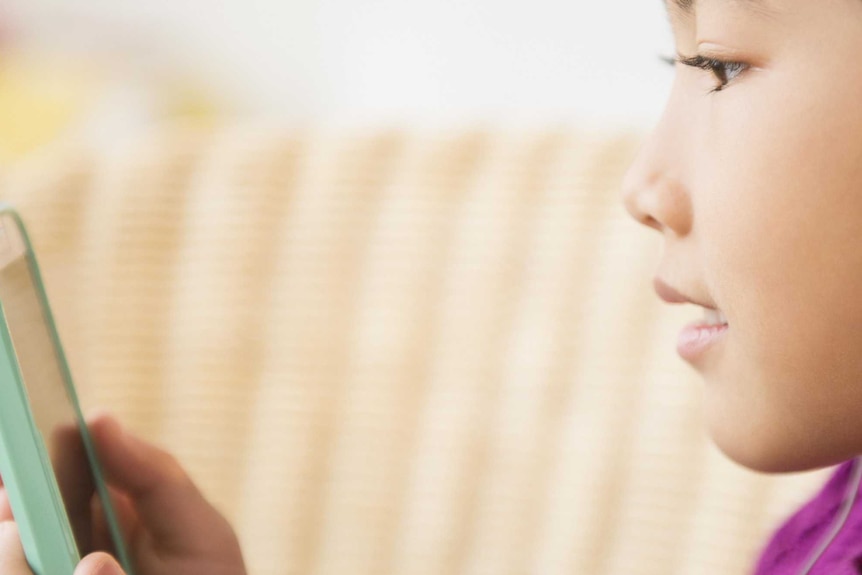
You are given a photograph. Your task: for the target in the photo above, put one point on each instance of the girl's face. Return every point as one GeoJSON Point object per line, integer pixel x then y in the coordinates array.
{"type": "Point", "coordinates": [757, 191]}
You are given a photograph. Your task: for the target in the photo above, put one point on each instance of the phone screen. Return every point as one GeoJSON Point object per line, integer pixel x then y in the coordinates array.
{"type": "Point", "coordinates": [39, 361]}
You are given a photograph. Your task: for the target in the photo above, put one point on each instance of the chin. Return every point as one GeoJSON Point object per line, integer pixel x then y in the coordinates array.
{"type": "Point", "coordinates": [762, 461]}
{"type": "Point", "coordinates": [771, 453]}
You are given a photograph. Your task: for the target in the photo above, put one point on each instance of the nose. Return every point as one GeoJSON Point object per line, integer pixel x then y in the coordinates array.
{"type": "Point", "coordinates": [653, 191]}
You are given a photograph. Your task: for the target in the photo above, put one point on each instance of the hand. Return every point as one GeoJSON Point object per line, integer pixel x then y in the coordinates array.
{"type": "Point", "coordinates": [169, 527]}
{"type": "Point", "coordinates": [13, 562]}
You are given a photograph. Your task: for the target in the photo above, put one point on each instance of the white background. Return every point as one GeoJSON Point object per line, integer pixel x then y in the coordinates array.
{"type": "Point", "coordinates": [414, 60]}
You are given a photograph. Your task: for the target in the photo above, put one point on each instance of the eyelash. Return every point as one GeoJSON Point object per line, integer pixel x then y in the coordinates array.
{"type": "Point", "coordinates": [719, 68]}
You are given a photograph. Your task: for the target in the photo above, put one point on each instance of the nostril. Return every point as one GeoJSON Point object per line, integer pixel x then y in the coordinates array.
{"type": "Point", "coordinates": [663, 204]}
{"type": "Point", "coordinates": [650, 221]}
{"type": "Point", "coordinates": [635, 190]}
{"type": "Point", "coordinates": [634, 205]}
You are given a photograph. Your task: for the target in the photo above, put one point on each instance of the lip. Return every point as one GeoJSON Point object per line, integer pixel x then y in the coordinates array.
{"type": "Point", "coordinates": [670, 295]}
{"type": "Point", "coordinates": [697, 337]}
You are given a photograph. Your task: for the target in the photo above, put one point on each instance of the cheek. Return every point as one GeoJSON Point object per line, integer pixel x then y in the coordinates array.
{"type": "Point", "coordinates": [783, 201]}
{"type": "Point", "coordinates": [795, 211]}
{"type": "Point", "coordinates": [781, 205]}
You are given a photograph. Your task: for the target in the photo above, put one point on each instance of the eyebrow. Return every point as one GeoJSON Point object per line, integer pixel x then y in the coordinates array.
{"type": "Point", "coordinates": [688, 7]}
{"type": "Point", "coordinates": [684, 5]}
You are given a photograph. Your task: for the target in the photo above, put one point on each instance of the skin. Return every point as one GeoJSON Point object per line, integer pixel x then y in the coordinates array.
{"type": "Point", "coordinates": [168, 524]}
{"type": "Point", "coordinates": [757, 192]}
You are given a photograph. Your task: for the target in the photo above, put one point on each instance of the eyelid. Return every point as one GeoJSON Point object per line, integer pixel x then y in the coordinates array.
{"type": "Point", "coordinates": [701, 61]}
{"type": "Point", "coordinates": [710, 64]}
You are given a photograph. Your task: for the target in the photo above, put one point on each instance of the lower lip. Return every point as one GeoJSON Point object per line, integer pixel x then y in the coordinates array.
{"type": "Point", "coordinates": [695, 339]}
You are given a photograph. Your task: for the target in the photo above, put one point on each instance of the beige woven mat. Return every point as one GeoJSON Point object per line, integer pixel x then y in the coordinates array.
{"type": "Point", "coordinates": [396, 352]}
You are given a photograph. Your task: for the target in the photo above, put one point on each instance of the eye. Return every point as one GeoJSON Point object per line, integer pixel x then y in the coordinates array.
{"type": "Point", "coordinates": [723, 70]}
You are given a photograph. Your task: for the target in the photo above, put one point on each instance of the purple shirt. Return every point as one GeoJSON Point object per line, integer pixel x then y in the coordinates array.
{"type": "Point", "coordinates": [791, 545]}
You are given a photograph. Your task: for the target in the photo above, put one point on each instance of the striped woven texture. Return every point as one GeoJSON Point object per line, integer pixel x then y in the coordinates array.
{"type": "Point", "coordinates": [398, 352]}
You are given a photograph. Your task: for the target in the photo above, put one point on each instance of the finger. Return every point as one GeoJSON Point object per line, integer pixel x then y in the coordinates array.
{"type": "Point", "coordinates": [102, 540]}
{"type": "Point", "coordinates": [74, 478]}
{"type": "Point", "coordinates": [170, 507]}
{"type": "Point", "coordinates": [126, 518]}
{"type": "Point", "coordinates": [12, 560]}
{"type": "Point", "coordinates": [98, 564]}
{"type": "Point", "coordinates": [5, 508]}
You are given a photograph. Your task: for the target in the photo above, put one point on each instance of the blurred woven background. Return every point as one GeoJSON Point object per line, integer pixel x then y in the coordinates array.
{"type": "Point", "coordinates": [397, 352]}
{"type": "Point", "coordinates": [380, 351]}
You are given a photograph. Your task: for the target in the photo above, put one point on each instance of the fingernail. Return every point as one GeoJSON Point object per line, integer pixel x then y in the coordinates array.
{"type": "Point", "coordinates": [131, 442]}
{"type": "Point", "coordinates": [99, 564]}
{"type": "Point", "coordinates": [114, 424]}
{"type": "Point", "coordinates": [101, 413]}
{"type": "Point", "coordinates": [110, 567]}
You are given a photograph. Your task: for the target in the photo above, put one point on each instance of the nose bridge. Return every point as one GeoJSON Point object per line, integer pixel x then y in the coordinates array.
{"type": "Point", "coordinates": [653, 189]}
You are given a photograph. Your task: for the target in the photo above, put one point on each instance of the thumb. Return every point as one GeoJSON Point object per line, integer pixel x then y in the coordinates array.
{"type": "Point", "coordinates": [12, 561]}
{"type": "Point", "coordinates": [98, 564]}
{"type": "Point", "coordinates": [169, 505]}
{"type": "Point", "coordinates": [5, 509]}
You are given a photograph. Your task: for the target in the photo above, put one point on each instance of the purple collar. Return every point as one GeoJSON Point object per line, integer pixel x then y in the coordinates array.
{"type": "Point", "coordinates": [793, 543]}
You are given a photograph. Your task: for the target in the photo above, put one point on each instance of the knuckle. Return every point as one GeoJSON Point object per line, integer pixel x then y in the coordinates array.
{"type": "Point", "coordinates": [173, 472]}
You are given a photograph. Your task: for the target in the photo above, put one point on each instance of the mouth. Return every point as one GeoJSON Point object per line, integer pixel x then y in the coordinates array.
{"type": "Point", "coordinates": [700, 335]}
{"type": "Point", "coordinates": [713, 317]}
{"type": "Point", "coordinates": [671, 295]}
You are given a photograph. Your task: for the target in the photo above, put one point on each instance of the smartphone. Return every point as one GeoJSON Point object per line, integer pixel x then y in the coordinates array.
{"type": "Point", "coordinates": [47, 459]}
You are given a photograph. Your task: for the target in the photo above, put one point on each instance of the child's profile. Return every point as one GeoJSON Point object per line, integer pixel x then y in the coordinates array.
{"type": "Point", "coordinates": [753, 178]}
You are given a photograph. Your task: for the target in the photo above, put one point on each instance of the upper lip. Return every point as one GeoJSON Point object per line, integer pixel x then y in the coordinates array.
{"type": "Point", "coordinates": [670, 295]}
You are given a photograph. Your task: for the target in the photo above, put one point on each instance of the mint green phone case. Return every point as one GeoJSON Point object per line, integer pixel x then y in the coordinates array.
{"type": "Point", "coordinates": [31, 485]}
